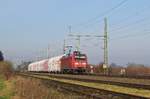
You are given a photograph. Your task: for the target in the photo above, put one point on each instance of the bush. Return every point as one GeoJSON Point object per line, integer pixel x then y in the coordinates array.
{"type": "Point", "coordinates": [1, 56]}
{"type": "Point", "coordinates": [137, 69]}
{"type": "Point", "coordinates": [6, 69]}
{"type": "Point", "coordinates": [115, 70]}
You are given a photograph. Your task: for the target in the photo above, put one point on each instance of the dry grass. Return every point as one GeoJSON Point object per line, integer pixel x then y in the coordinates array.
{"type": "Point", "coordinates": [6, 69]}
{"type": "Point", "coordinates": [133, 91]}
{"type": "Point", "coordinates": [19, 87]}
{"type": "Point", "coordinates": [30, 88]}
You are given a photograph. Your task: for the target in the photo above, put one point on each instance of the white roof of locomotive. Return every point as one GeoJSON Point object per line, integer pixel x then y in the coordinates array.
{"type": "Point", "coordinates": [50, 59]}
{"type": "Point", "coordinates": [37, 62]}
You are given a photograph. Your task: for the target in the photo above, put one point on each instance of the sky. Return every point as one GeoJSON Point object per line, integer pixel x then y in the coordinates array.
{"type": "Point", "coordinates": [29, 27]}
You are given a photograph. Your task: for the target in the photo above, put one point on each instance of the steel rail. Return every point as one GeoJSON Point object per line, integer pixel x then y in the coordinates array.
{"type": "Point", "coordinates": [125, 84]}
{"type": "Point", "coordinates": [95, 97]}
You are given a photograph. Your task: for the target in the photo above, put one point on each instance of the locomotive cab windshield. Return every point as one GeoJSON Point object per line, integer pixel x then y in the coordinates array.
{"type": "Point", "coordinates": [79, 56]}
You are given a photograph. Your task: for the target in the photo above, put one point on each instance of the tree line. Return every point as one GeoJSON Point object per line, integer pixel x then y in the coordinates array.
{"type": "Point", "coordinates": [131, 69]}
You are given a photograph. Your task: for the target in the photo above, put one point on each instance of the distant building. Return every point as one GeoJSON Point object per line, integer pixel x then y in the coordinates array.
{"type": "Point", "coordinates": [123, 71]}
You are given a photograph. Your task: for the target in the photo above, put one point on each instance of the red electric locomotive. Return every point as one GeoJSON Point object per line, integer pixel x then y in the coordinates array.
{"type": "Point", "coordinates": [75, 62]}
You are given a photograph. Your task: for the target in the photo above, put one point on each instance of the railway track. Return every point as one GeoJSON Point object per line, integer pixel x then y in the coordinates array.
{"type": "Point", "coordinates": [120, 76]}
{"type": "Point", "coordinates": [126, 82]}
{"type": "Point", "coordinates": [95, 88]}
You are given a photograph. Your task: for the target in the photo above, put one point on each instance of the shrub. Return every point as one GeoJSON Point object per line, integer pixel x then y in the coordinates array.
{"type": "Point", "coordinates": [6, 69]}
{"type": "Point", "coordinates": [137, 69]}
{"type": "Point", "coordinates": [1, 56]}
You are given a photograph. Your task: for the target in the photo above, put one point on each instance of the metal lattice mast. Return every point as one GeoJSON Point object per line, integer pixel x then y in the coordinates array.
{"type": "Point", "coordinates": [78, 38]}
{"type": "Point", "coordinates": [106, 46]}
{"type": "Point", "coordinates": [78, 44]}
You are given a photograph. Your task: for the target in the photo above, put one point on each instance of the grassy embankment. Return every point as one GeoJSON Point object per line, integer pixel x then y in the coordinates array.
{"type": "Point", "coordinates": [6, 89]}
{"type": "Point", "coordinates": [115, 88]}
{"type": "Point", "coordinates": [18, 87]}
{"type": "Point", "coordinates": [6, 84]}
{"type": "Point", "coordinates": [31, 88]}
{"type": "Point", "coordinates": [26, 88]}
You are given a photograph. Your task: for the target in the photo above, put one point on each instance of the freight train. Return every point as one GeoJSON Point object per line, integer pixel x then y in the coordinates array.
{"type": "Point", "coordinates": [70, 63]}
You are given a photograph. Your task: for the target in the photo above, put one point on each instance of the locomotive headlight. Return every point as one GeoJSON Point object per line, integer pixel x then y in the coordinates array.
{"type": "Point", "coordinates": [83, 63]}
{"type": "Point", "coordinates": [76, 63]}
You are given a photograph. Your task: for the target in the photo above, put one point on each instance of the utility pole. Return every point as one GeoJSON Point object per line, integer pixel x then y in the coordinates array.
{"type": "Point", "coordinates": [48, 56]}
{"type": "Point", "coordinates": [105, 65]}
{"type": "Point", "coordinates": [78, 44]}
{"type": "Point", "coordinates": [78, 38]}
{"type": "Point", "coordinates": [105, 37]}
{"type": "Point", "coordinates": [64, 47]}
{"type": "Point", "coordinates": [69, 27]}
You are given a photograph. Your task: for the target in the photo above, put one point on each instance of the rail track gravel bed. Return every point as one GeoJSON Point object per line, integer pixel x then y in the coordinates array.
{"type": "Point", "coordinates": [126, 82]}
{"type": "Point", "coordinates": [120, 76]}
{"type": "Point", "coordinates": [112, 90]}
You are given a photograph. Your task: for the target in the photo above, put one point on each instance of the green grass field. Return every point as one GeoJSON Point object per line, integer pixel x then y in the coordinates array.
{"type": "Point", "coordinates": [5, 89]}
{"type": "Point", "coordinates": [2, 85]}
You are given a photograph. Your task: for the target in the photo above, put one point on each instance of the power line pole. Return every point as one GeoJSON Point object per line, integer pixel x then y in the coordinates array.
{"type": "Point", "coordinates": [78, 38]}
{"type": "Point", "coordinates": [105, 36]}
{"type": "Point", "coordinates": [64, 47]}
{"type": "Point", "coordinates": [48, 49]}
{"type": "Point", "coordinates": [78, 44]}
{"type": "Point", "coordinates": [69, 27]}
{"type": "Point", "coordinates": [105, 66]}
